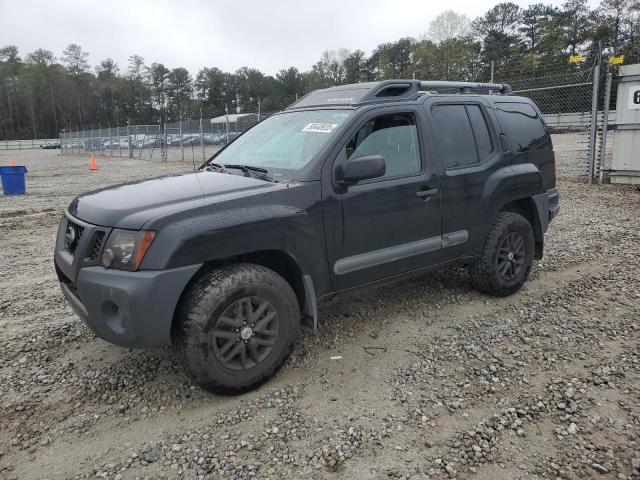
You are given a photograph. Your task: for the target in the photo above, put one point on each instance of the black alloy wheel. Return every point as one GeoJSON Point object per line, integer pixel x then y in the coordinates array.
{"type": "Point", "coordinates": [235, 327]}
{"type": "Point", "coordinates": [511, 256]}
{"type": "Point", "coordinates": [507, 256]}
{"type": "Point", "coordinates": [246, 332]}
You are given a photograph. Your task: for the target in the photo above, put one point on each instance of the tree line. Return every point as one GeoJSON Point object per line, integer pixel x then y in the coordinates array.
{"type": "Point", "coordinates": [42, 94]}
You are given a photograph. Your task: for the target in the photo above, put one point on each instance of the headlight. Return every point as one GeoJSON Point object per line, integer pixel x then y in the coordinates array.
{"type": "Point", "coordinates": [125, 249]}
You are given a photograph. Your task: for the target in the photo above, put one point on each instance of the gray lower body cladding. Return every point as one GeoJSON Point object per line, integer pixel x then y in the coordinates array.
{"type": "Point", "coordinates": [130, 309]}
{"type": "Point", "coordinates": [399, 252]}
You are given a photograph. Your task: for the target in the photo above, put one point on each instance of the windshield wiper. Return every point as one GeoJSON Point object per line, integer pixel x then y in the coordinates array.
{"type": "Point", "coordinates": [216, 167]}
{"type": "Point", "coordinates": [258, 172]}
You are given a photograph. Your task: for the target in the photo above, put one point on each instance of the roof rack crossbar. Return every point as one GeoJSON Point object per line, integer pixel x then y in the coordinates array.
{"type": "Point", "coordinates": [503, 88]}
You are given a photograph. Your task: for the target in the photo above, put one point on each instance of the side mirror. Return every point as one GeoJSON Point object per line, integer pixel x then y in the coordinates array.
{"type": "Point", "coordinates": [362, 168]}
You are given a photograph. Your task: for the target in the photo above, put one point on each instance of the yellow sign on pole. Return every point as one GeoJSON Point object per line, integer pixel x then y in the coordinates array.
{"type": "Point", "coordinates": [576, 58]}
{"type": "Point", "coordinates": [619, 60]}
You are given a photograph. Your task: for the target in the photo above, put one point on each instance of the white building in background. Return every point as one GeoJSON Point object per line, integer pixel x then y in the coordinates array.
{"type": "Point", "coordinates": [625, 165]}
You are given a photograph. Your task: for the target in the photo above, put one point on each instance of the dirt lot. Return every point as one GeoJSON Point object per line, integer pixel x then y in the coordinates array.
{"type": "Point", "coordinates": [434, 380]}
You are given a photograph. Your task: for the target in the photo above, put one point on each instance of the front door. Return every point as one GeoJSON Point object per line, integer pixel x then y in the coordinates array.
{"type": "Point", "coordinates": [388, 225]}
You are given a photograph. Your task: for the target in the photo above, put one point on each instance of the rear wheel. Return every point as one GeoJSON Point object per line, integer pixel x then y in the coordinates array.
{"type": "Point", "coordinates": [235, 328]}
{"type": "Point", "coordinates": [507, 256]}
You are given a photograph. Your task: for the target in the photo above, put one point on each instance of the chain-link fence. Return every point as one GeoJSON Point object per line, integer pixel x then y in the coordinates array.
{"type": "Point", "coordinates": [565, 95]}
{"type": "Point", "coordinates": [186, 139]}
{"type": "Point", "coordinates": [29, 144]}
{"type": "Point", "coordinates": [192, 140]}
{"type": "Point", "coordinates": [198, 139]}
{"type": "Point", "coordinates": [135, 141]}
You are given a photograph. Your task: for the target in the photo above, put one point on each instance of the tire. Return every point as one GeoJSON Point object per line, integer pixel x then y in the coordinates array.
{"type": "Point", "coordinates": [510, 240]}
{"type": "Point", "coordinates": [223, 314]}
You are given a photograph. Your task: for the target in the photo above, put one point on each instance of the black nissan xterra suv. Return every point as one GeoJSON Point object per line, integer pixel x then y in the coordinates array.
{"type": "Point", "coordinates": [349, 187]}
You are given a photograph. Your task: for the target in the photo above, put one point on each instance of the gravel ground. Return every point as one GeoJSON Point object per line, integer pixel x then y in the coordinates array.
{"type": "Point", "coordinates": [433, 381]}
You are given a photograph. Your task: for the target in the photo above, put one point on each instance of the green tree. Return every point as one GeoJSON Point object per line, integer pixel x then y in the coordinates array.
{"type": "Point", "coordinates": [537, 24]}
{"type": "Point", "coordinates": [75, 59]}
{"type": "Point", "coordinates": [448, 25]}
{"type": "Point", "coordinates": [157, 75]}
{"type": "Point", "coordinates": [499, 30]}
{"type": "Point", "coordinates": [291, 81]}
{"type": "Point", "coordinates": [577, 24]}
{"type": "Point", "coordinates": [10, 66]}
{"type": "Point", "coordinates": [179, 90]}
{"type": "Point", "coordinates": [137, 87]}
{"type": "Point", "coordinates": [392, 60]}
{"type": "Point", "coordinates": [210, 85]}
{"type": "Point", "coordinates": [41, 85]}
{"type": "Point", "coordinates": [108, 85]}
{"type": "Point", "coordinates": [355, 67]}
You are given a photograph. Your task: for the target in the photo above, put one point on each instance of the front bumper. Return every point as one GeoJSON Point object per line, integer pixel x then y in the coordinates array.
{"type": "Point", "coordinates": [131, 309]}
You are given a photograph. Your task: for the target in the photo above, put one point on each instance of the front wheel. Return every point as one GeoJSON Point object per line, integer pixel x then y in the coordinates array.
{"type": "Point", "coordinates": [507, 256]}
{"type": "Point", "coordinates": [235, 327]}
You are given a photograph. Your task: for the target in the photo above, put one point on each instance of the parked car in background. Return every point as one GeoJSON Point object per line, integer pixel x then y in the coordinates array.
{"type": "Point", "coordinates": [50, 145]}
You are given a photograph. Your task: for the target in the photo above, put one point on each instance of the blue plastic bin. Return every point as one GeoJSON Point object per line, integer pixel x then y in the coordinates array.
{"type": "Point", "coordinates": [13, 180]}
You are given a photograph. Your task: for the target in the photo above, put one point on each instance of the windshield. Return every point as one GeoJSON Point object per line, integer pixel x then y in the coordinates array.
{"type": "Point", "coordinates": [286, 141]}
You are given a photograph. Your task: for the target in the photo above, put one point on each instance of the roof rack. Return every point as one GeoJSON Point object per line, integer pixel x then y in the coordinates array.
{"type": "Point", "coordinates": [466, 87]}
{"type": "Point", "coordinates": [357, 94]}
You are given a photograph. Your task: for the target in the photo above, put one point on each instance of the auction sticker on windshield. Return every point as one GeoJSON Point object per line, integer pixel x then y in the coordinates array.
{"type": "Point", "coordinates": [320, 127]}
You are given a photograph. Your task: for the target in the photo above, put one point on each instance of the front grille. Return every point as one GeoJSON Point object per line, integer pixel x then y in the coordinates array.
{"type": "Point", "coordinates": [72, 236]}
{"type": "Point", "coordinates": [96, 245]}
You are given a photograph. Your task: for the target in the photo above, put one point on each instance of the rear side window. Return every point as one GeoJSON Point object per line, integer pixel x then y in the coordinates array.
{"type": "Point", "coordinates": [522, 125]}
{"type": "Point", "coordinates": [463, 134]}
{"type": "Point", "coordinates": [455, 136]}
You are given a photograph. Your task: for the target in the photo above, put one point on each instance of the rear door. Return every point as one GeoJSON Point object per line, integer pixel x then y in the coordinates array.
{"type": "Point", "coordinates": [470, 152]}
{"type": "Point", "coordinates": [389, 225]}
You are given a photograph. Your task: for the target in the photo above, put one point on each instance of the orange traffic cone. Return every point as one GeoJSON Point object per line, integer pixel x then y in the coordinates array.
{"type": "Point", "coordinates": [12, 162]}
{"type": "Point", "coordinates": [94, 164]}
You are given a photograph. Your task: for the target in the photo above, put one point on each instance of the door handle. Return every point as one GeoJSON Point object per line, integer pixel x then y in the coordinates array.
{"type": "Point", "coordinates": [426, 194]}
{"type": "Point", "coordinates": [503, 143]}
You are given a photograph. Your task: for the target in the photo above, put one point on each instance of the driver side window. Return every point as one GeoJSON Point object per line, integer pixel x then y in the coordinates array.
{"type": "Point", "coordinates": [395, 137]}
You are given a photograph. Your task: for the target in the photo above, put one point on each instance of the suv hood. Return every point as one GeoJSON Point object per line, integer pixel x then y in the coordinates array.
{"type": "Point", "coordinates": [131, 205]}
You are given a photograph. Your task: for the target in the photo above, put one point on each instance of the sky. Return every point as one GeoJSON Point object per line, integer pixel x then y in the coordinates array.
{"type": "Point", "coordinates": [264, 34]}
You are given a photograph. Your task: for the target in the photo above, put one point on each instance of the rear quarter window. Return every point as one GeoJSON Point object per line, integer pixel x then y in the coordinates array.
{"type": "Point", "coordinates": [522, 125]}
